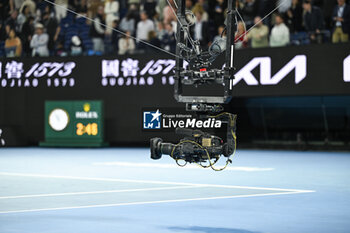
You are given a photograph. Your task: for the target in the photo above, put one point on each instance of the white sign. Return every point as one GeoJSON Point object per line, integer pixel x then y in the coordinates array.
{"type": "Point", "coordinates": [298, 63]}
{"type": "Point", "coordinates": [56, 74]}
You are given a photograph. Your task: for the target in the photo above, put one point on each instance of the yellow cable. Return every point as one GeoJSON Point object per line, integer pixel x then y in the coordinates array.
{"type": "Point", "coordinates": [234, 138]}
{"type": "Point", "coordinates": [206, 151]}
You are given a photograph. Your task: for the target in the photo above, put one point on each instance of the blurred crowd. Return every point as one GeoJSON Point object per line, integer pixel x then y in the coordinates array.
{"type": "Point", "coordinates": [65, 27]}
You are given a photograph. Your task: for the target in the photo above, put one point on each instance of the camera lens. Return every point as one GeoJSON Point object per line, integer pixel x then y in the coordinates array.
{"type": "Point", "coordinates": [167, 148]}
{"type": "Point", "coordinates": [156, 148]}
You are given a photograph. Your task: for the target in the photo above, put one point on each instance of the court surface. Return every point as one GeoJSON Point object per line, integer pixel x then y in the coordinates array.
{"type": "Point", "coordinates": [122, 190]}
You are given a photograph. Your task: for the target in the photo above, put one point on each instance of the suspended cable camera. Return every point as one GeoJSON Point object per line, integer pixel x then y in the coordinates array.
{"type": "Point", "coordinates": [197, 146]}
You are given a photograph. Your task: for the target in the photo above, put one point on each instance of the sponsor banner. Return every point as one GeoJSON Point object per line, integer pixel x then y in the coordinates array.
{"type": "Point", "coordinates": [134, 87]}
{"type": "Point", "coordinates": [44, 73]}
{"type": "Point", "coordinates": [302, 70]}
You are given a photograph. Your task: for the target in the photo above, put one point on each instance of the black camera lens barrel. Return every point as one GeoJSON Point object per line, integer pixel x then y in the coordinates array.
{"type": "Point", "coordinates": [158, 148]}
{"type": "Point", "coordinates": [155, 145]}
{"type": "Point", "coordinates": [166, 148]}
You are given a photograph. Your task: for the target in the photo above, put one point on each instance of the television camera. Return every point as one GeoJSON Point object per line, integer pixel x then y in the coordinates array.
{"type": "Point", "coordinates": [197, 146]}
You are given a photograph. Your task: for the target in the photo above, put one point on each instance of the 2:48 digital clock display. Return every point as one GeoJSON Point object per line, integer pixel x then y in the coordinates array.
{"type": "Point", "coordinates": [88, 129]}
{"type": "Point", "coordinates": [74, 123]}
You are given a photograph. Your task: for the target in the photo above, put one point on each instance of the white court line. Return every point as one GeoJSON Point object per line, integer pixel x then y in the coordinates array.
{"type": "Point", "coordinates": [147, 202]}
{"type": "Point", "coordinates": [96, 192]}
{"type": "Point", "coordinates": [149, 182]}
{"type": "Point", "coordinates": [168, 165]}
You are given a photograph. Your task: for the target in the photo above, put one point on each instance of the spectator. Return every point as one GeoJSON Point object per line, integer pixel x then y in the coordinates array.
{"type": "Point", "coordinates": [200, 30]}
{"type": "Point", "coordinates": [135, 12]}
{"type": "Point", "coordinates": [93, 6]}
{"type": "Point", "coordinates": [134, 2]}
{"type": "Point", "coordinates": [26, 35]}
{"type": "Point", "coordinates": [115, 37]}
{"type": "Point", "coordinates": [42, 6]}
{"type": "Point", "coordinates": [313, 21]}
{"type": "Point", "coordinates": [12, 22]}
{"type": "Point", "coordinates": [279, 33]}
{"type": "Point", "coordinates": [160, 8]}
{"type": "Point", "coordinates": [30, 5]}
{"type": "Point", "coordinates": [112, 13]}
{"type": "Point", "coordinates": [265, 7]}
{"type": "Point", "coordinates": [341, 18]}
{"type": "Point", "coordinates": [61, 9]}
{"type": "Point", "coordinates": [188, 4]}
{"type": "Point", "coordinates": [81, 7]}
{"type": "Point", "coordinates": [16, 4]}
{"type": "Point", "coordinates": [160, 30]}
{"type": "Point", "coordinates": [259, 34]}
{"type": "Point", "coordinates": [284, 5]}
{"type": "Point", "coordinates": [220, 33]}
{"type": "Point", "coordinates": [13, 45]}
{"type": "Point", "coordinates": [97, 31]}
{"type": "Point", "coordinates": [128, 24]}
{"type": "Point", "coordinates": [149, 6]}
{"type": "Point", "coordinates": [76, 47]}
{"type": "Point", "coordinates": [168, 12]}
{"type": "Point", "coordinates": [3, 34]}
{"type": "Point", "coordinates": [51, 25]}
{"type": "Point", "coordinates": [240, 41]}
{"type": "Point", "coordinates": [168, 40]}
{"type": "Point", "coordinates": [217, 12]}
{"type": "Point", "coordinates": [199, 8]}
{"type": "Point", "coordinates": [294, 17]}
{"type": "Point", "coordinates": [60, 51]}
{"type": "Point", "coordinates": [143, 28]}
{"type": "Point", "coordinates": [39, 42]}
{"type": "Point", "coordinates": [204, 4]}
{"type": "Point", "coordinates": [123, 6]}
{"type": "Point", "coordinates": [153, 40]}
{"type": "Point", "coordinates": [249, 11]}
{"type": "Point", "coordinates": [126, 45]}
{"type": "Point", "coordinates": [22, 17]}
{"type": "Point", "coordinates": [5, 9]}
{"type": "Point", "coordinates": [72, 4]}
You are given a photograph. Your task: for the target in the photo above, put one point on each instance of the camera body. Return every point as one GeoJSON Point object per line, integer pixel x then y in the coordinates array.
{"type": "Point", "coordinates": [195, 147]}
{"type": "Point", "coordinates": [199, 147]}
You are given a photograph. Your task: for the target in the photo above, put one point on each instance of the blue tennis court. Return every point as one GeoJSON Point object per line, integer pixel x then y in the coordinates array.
{"type": "Point", "coordinates": [122, 190]}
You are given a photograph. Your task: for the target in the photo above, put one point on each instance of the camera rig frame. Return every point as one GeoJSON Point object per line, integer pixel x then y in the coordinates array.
{"type": "Point", "coordinates": [197, 146]}
{"type": "Point", "coordinates": [200, 61]}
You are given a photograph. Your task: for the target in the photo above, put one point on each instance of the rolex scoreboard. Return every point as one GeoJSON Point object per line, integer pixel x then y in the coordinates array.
{"type": "Point", "coordinates": [73, 124]}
